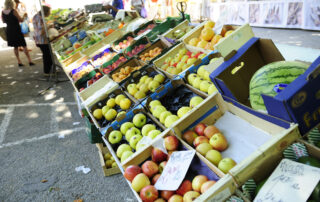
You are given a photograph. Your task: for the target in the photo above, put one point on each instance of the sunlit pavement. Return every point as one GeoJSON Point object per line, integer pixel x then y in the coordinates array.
{"type": "Point", "coordinates": [43, 137]}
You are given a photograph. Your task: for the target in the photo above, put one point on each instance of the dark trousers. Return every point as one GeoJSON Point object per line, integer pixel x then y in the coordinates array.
{"type": "Point", "coordinates": [47, 60]}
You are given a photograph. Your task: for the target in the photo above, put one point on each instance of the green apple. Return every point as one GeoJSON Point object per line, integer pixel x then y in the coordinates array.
{"type": "Point", "coordinates": [182, 111]}
{"type": "Point", "coordinates": [105, 109]}
{"type": "Point", "coordinates": [139, 95]}
{"type": "Point", "coordinates": [160, 78]}
{"type": "Point", "coordinates": [122, 148]}
{"type": "Point", "coordinates": [111, 102]}
{"type": "Point", "coordinates": [139, 85]}
{"type": "Point", "coordinates": [204, 86]}
{"type": "Point", "coordinates": [185, 66]}
{"type": "Point", "coordinates": [153, 85]}
{"type": "Point", "coordinates": [197, 82]}
{"type": "Point", "coordinates": [154, 133]}
{"type": "Point", "coordinates": [158, 110]}
{"type": "Point", "coordinates": [139, 120]}
{"type": "Point", "coordinates": [126, 155]}
{"type": "Point", "coordinates": [206, 76]}
{"type": "Point", "coordinates": [176, 71]}
{"type": "Point", "coordinates": [196, 100]}
{"type": "Point", "coordinates": [212, 89]}
{"type": "Point", "coordinates": [143, 78]}
{"type": "Point", "coordinates": [132, 85]}
{"type": "Point", "coordinates": [134, 140]}
{"type": "Point", "coordinates": [125, 127]}
{"type": "Point", "coordinates": [115, 137]}
{"type": "Point", "coordinates": [201, 71]}
{"type": "Point", "coordinates": [170, 69]}
{"type": "Point", "coordinates": [214, 156]}
{"type": "Point", "coordinates": [168, 59]}
{"type": "Point", "coordinates": [123, 113]}
{"type": "Point", "coordinates": [154, 103]}
{"type": "Point", "coordinates": [110, 115]}
{"type": "Point", "coordinates": [119, 98]}
{"type": "Point", "coordinates": [107, 156]}
{"type": "Point", "coordinates": [148, 80]}
{"type": "Point", "coordinates": [184, 59]}
{"type": "Point", "coordinates": [140, 181]}
{"type": "Point", "coordinates": [144, 88]}
{"type": "Point", "coordinates": [125, 104]}
{"type": "Point", "coordinates": [191, 78]}
{"type": "Point", "coordinates": [97, 114]}
{"type": "Point", "coordinates": [191, 61]}
{"type": "Point", "coordinates": [164, 115]}
{"type": "Point", "coordinates": [226, 164]}
{"type": "Point", "coordinates": [183, 51]}
{"type": "Point", "coordinates": [180, 65]}
{"type": "Point", "coordinates": [164, 67]}
{"type": "Point", "coordinates": [171, 119]}
{"type": "Point", "coordinates": [147, 128]}
{"type": "Point", "coordinates": [114, 164]}
{"type": "Point", "coordinates": [133, 91]}
{"type": "Point", "coordinates": [203, 148]}
{"type": "Point", "coordinates": [132, 132]}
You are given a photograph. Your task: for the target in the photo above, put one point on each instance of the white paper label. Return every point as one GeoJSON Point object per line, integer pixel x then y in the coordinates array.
{"type": "Point", "coordinates": [290, 181]}
{"type": "Point", "coordinates": [175, 170]}
{"type": "Point", "coordinates": [159, 144]}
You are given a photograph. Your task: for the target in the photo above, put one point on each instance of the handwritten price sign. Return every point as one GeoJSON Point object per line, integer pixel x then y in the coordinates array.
{"type": "Point", "coordinates": [290, 181]}
{"type": "Point", "coordinates": [175, 170]}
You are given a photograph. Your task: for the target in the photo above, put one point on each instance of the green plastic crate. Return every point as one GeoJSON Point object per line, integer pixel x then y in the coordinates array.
{"type": "Point", "coordinates": [92, 132]}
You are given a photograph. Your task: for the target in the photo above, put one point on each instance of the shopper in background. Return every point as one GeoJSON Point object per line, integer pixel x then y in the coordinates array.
{"type": "Point", "coordinates": [138, 5]}
{"type": "Point", "coordinates": [22, 11]}
{"type": "Point", "coordinates": [113, 9]}
{"type": "Point", "coordinates": [15, 37]}
{"type": "Point", "coordinates": [41, 39]}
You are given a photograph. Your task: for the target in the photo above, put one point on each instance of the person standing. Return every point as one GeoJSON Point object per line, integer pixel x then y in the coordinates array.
{"type": "Point", "coordinates": [22, 11]}
{"type": "Point", "coordinates": [113, 9]}
{"type": "Point", "coordinates": [41, 39]}
{"type": "Point", "coordinates": [15, 37]}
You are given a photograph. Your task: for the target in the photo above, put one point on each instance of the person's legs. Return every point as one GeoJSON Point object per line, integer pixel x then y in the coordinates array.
{"type": "Point", "coordinates": [25, 50]}
{"type": "Point", "coordinates": [16, 52]}
{"type": "Point", "coordinates": [47, 61]}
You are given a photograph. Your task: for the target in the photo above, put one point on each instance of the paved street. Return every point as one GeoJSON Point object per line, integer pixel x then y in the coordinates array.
{"type": "Point", "coordinates": [43, 137]}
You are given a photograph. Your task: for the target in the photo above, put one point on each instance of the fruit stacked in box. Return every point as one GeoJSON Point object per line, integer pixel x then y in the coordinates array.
{"type": "Point", "coordinates": [146, 57]}
{"type": "Point", "coordinates": [81, 71]}
{"type": "Point", "coordinates": [125, 70]}
{"type": "Point", "coordinates": [115, 62]}
{"type": "Point", "coordinates": [175, 104]}
{"type": "Point", "coordinates": [88, 80]}
{"type": "Point", "coordinates": [116, 104]}
{"type": "Point", "coordinates": [178, 60]}
{"type": "Point", "coordinates": [103, 57]}
{"type": "Point", "coordinates": [144, 173]}
{"type": "Point", "coordinates": [124, 42]}
{"type": "Point", "coordinates": [206, 38]}
{"type": "Point", "coordinates": [144, 82]}
{"type": "Point", "coordinates": [137, 47]}
{"type": "Point", "coordinates": [154, 51]}
{"type": "Point", "coordinates": [179, 31]}
{"type": "Point", "coordinates": [125, 137]}
{"type": "Point", "coordinates": [148, 26]}
{"type": "Point", "coordinates": [109, 160]}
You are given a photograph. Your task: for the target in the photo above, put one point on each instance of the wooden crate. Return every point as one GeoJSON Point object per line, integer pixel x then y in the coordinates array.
{"type": "Point", "coordinates": [102, 151]}
{"type": "Point", "coordinates": [182, 25]}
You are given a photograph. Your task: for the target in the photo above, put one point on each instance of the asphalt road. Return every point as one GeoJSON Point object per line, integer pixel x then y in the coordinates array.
{"type": "Point", "coordinates": [43, 137]}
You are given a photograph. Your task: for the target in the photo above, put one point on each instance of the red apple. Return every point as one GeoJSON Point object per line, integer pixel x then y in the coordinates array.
{"type": "Point", "coordinates": [150, 168]}
{"type": "Point", "coordinates": [158, 156]}
{"type": "Point", "coordinates": [185, 186]}
{"type": "Point", "coordinates": [176, 198]}
{"type": "Point", "coordinates": [131, 172]}
{"type": "Point", "coordinates": [171, 143]}
{"type": "Point", "coordinates": [149, 193]}
{"type": "Point", "coordinates": [198, 181]}
{"type": "Point", "coordinates": [218, 142]}
{"type": "Point", "coordinates": [210, 131]}
{"type": "Point", "coordinates": [205, 186]}
{"type": "Point", "coordinates": [199, 140]}
{"type": "Point", "coordinates": [199, 129]}
{"type": "Point", "coordinates": [155, 178]}
{"type": "Point", "coordinates": [189, 136]}
{"type": "Point", "coordinates": [167, 194]}
{"type": "Point", "coordinates": [162, 165]}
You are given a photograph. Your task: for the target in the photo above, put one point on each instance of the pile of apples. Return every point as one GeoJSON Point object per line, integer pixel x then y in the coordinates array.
{"type": "Point", "coordinates": [151, 54]}
{"type": "Point", "coordinates": [136, 50]}
{"type": "Point", "coordinates": [181, 61]}
{"type": "Point", "coordinates": [124, 44]}
{"type": "Point", "coordinates": [146, 84]}
{"type": "Point", "coordinates": [109, 161]}
{"type": "Point", "coordinates": [109, 112]}
{"type": "Point", "coordinates": [96, 77]}
{"type": "Point", "coordinates": [114, 65]}
{"type": "Point", "coordinates": [166, 117]}
{"type": "Point", "coordinates": [202, 81]}
{"type": "Point", "coordinates": [149, 27]}
{"type": "Point", "coordinates": [103, 59]}
{"type": "Point", "coordinates": [209, 142]}
{"type": "Point", "coordinates": [124, 73]}
{"type": "Point", "coordinates": [208, 38]}
{"type": "Point", "coordinates": [145, 177]}
{"type": "Point", "coordinates": [133, 133]}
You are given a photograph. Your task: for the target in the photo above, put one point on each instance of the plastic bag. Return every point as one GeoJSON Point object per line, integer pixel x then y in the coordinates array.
{"type": "Point", "coordinates": [143, 12]}
{"type": "Point", "coordinates": [24, 27]}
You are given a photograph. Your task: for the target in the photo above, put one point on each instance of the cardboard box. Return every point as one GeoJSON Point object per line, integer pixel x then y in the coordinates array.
{"type": "Point", "coordinates": [106, 171]}
{"type": "Point", "coordinates": [246, 146]}
{"type": "Point", "coordinates": [95, 59]}
{"type": "Point", "coordinates": [296, 103]}
{"type": "Point", "coordinates": [142, 41]}
{"type": "Point", "coordinates": [182, 26]}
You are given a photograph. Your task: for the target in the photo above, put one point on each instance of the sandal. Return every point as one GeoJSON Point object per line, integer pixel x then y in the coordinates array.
{"type": "Point", "coordinates": [31, 64]}
{"type": "Point", "coordinates": [20, 64]}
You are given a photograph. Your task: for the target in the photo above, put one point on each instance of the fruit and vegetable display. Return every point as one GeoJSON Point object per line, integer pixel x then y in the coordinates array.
{"type": "Point", "coordinates": [210, 142]}
{"type": "Point", "coordinates": [149, 27]}
{"type": "Point", "coordinates": [136, 50]}
{"type": "Point", "coordinates": [181, 61]}
{"type": "Point", "coordinates": [208, 39]}
{"type": "Point", "coordinates": [179, 33]}
{"type": "Point", "coordinates": [144, 177]}
{"type": "Point", "coordinates": [271, 79]}
{"type": "Point", "coordinates": [146, 57]}
{"type": "Point", "coordinates": [103, 58]}
{"type": "Point", "coordinates": [114, 65]}
{"type": "Point", "coordinates": [125, 140]}
{"type": "Point", "coordinates": [109, 161]}
{"type": "Point", "coordinates": [124, 72]}
{"type": "Point", "coordinates": [81, 71]}
{"type": "Point", "coordinates": [142, 86]}
{"type": "Point", "coordinates": [91, 81]}
{"type": "Point", "coordinates": [124, 44]}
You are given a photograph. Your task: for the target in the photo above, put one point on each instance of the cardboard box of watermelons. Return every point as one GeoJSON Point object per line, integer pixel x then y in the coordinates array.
{"type": "Point", "coordinates": [288, 90]}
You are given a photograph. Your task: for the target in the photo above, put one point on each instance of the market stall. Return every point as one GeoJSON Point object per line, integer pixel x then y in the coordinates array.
{"type": "Point", "coordinates": [194, 112]}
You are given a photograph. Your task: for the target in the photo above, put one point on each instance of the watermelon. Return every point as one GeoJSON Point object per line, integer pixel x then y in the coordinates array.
{"type": "Point", "coordinates": [270, 75]}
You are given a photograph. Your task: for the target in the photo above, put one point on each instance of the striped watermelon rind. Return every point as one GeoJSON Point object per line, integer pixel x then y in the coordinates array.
{"type": "Point", "coordinates": [264, 80]}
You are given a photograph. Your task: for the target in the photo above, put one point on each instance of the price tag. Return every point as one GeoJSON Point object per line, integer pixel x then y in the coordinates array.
{"type": "Point", "coordinates": [290, 181]}
{"type": "Point", "coordinates": [160, 145]}
{"type": "Point", "coordinates": [175, 170]}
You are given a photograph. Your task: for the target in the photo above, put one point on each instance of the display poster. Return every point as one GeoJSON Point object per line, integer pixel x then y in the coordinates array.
{"type": "Point", "coordinates": [272, 14]}
{"type": "Point", "coordinates": [295, 14]}
{"type": "Point", "coordinates": [254, 14]}
{"type": "Point", "coordinates": [312, 14]}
